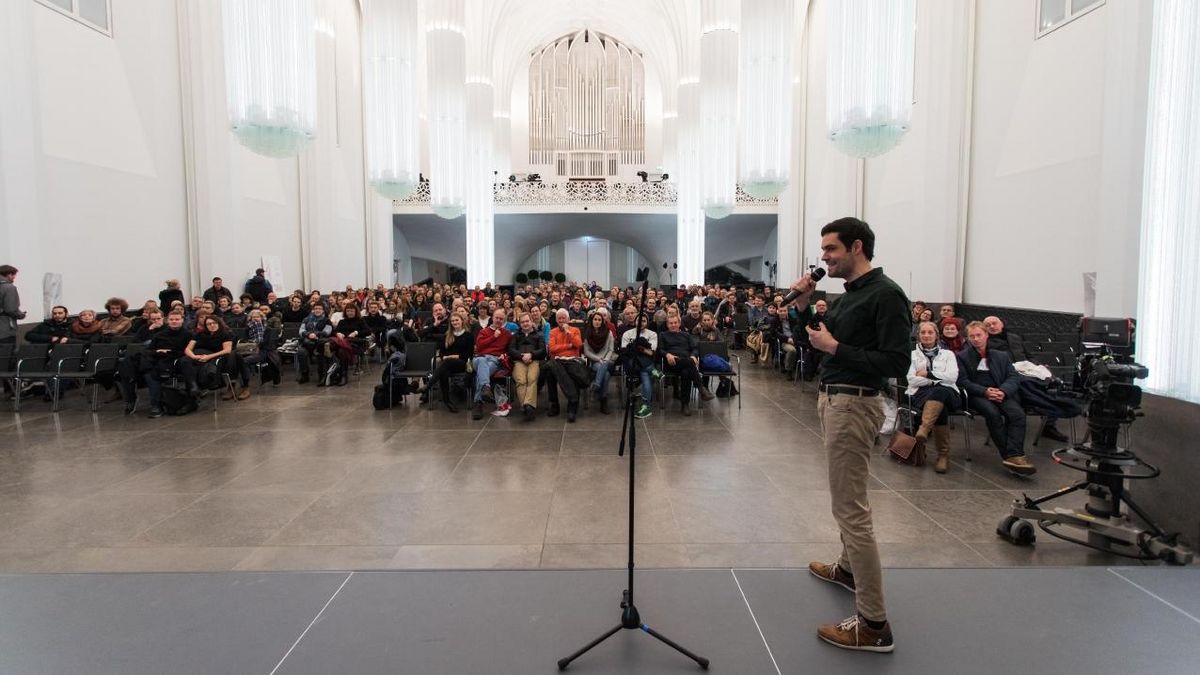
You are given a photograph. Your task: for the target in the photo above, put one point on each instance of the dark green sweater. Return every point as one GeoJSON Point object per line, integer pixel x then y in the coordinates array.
{"type": "Point", "coordinates": [871, 323]}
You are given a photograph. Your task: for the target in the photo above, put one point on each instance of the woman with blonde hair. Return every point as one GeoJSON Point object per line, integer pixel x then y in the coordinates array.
{"type": "Point", "coordinates": [933, 390]}
{"type": "Point", "coordinates": [169, 294]}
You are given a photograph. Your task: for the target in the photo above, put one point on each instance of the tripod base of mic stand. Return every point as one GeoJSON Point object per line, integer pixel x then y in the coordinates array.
{"type": "Point", "coordinates": [630, 619]}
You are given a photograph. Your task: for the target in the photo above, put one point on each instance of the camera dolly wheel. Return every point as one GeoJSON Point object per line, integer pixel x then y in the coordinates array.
{"type": "Point", "coordinates": [1017, 531]}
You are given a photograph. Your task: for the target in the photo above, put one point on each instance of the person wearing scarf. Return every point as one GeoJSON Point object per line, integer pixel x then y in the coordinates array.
{"type": "Point", "coordinates": [85, 328]}
{"type": "Point", "coordinates": [600, 354]}
{"type": "Point", "coordinates": [933, 390]}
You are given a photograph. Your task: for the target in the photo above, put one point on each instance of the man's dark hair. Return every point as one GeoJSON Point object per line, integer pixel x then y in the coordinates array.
{"type": "Point", "coordinates": [6, 270]}
{"type": "Point", "coordinates": [850, 229]}
{"type": "Point", "coordinates": [260, 271]}
{"type": "Point", "coordinates": [216, 278]}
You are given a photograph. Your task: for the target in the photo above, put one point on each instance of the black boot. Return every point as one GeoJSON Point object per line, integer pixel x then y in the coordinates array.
{"type": "Point", "coordinates": [685, 409]}
{"type": "Point", "coordinates": [450, 407]}
{"type": "Point", "coordinates": [572, 410]}
{"type": "Point", "coordinates": [553, 410]}
{"type": "Point", "coordinates": [477, 410]}
{"type": "Point", "coordinates": [603, 406]}
{"type": "Point", "coordinates": [303, 378]}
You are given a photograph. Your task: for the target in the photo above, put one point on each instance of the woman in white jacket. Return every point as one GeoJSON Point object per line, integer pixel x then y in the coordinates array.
{"type": "Point", "coordinates": [933, 389]}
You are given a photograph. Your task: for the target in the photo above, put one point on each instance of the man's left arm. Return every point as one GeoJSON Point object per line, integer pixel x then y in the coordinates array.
{"type": "Point", "coordinates": [892, 357]}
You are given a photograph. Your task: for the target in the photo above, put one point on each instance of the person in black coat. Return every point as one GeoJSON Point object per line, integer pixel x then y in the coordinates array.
{"type": "Point", "coordinates": [170, 294]}
{"type": "Point", "coordinates": [52, 331]}
{"type": "Point", "coordinates": [455, 349]}
{"type": "Point", "coordinates": [680, 355]}
{"type": "Point", "coordinates": [217, 291]}
{"type": "Point", "coordinates": [991, 383]}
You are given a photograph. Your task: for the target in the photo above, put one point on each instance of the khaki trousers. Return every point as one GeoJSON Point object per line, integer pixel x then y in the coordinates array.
{"type": "Point", "coordinates": [850, 424]}
{"type": "Point", "coordinates": [525, 375]}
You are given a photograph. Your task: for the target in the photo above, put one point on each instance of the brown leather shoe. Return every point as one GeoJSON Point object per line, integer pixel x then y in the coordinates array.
{"type": "Point", "coordinates": [854, 633]}
{"type": "Point", "coordinates": [706, 394]}
{"type": "Point", "coordinates": [1019, 465]}
{"type": "Point", "coordinates": [244, 393]}
{"type": "Point", "coordinates": [833, 573]}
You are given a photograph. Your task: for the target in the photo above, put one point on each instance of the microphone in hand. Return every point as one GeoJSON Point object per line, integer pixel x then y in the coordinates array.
{"type": "Point", "coordinates": [816, 275]}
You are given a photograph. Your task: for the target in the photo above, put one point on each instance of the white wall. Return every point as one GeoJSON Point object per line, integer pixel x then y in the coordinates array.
{"type": "Point", "coordinates": [117, 212]}
{"type": "Point", "coordinates": [110, 155]}
{"type": "Point", "coordinates": [1036, 162]}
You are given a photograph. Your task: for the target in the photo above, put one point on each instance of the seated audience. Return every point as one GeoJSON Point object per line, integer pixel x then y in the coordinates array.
{"type": "Point", "coordinates": [296, 310]}
{"type": "Point", "coordinates": [999, 338]}
{"type": "Point", "coordinates": [526, 351]}
{"type": "Point", "coordinates": [680, 356]}
{"type": "Point", "coordinates": [160, 362]}
{"type": "Point", "coordinates": [85, 327]}
{"type": "Point", "coordinates": [947, 315]}
{"type": "Point", "coordinates": [258, 333]}
{"type": "Point", "coordinates": [314, 335]}
{"type": "Point", "coordinates": [933, 391]}
{"type": "Point", "coordinates": [116, 323]}
{"type": "Point", "coordinates": [952, 339]}
{"type": "Point", "coordinates": [565, 368]}
{"type": "Point", "coordinates": [455, 350]}
{"type": "Point", "coordinates": [990, 382]}
{"type": "Point", "coordinates": [213, 344]}
{"type": "Point", "coordinates": [52, 331]}
{"type": "Point", "coordinates": [598, 349]}
{"type": "Point", "coordinates": [491, 344]}
{"type": "Point", "coordinates": [642, 361]}
{"type": "Point", "coordinates": [236, 317]}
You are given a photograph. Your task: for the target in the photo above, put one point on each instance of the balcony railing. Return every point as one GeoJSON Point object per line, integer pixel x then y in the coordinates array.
{"type": "Point", "coordinates": [584, 192]}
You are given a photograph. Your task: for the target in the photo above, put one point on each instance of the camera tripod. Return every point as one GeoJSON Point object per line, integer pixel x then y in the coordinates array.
{"type": "Point", "coordinates": [630, 618]}
{"type": "Point", "coordinates": [1107, 528]}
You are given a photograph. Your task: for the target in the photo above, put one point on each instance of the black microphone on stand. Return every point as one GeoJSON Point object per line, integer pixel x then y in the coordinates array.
{"type": "Point", "coordinates": [816, 275]}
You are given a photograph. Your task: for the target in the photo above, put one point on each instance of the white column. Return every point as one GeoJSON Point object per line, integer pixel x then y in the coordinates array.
{"type": "Point", "coordinates": [318, 182]}
{"type": "Point", "coordinates": [1126, 71]}
{"type": "Point", "coordinates": [689, 217]}
{"type": "Point", "coordinates": [718, 106]}
{"type": "Point", "coordinates": [481, 248]}
{"type": "Point", "coordinates": [21, 227]}
{"type": "Point", "coordinates": [207, 144]}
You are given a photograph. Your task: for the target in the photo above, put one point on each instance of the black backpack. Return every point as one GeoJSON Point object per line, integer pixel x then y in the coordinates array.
{"type": "Point", "coordinates": [177, 401]}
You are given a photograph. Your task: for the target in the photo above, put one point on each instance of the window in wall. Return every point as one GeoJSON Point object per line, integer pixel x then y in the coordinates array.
{"type": "Point", "coordinates": [1054, 14]}
{"type": "Point", "coordinates": [96, 14]}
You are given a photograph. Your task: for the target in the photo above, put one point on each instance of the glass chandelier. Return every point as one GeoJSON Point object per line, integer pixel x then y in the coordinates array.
{"type": "Point", "coordinates": [869, 75]}
{"type": "Point", "coordinates": [718, 106]}
{"type": "Point", "coordinates": [390, 81]}
{"type": "Point", "coordinates": [446, 56]}
{"type": "Point", "coordinates": [270, 74]}
{"type": "Point", "coordinates": [766, 124]}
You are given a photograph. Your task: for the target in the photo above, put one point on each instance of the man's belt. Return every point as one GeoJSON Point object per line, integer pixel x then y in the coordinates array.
{"type": "Point", "coordinates": [848, 390]}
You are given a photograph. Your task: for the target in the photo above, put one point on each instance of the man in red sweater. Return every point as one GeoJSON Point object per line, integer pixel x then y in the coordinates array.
{"type": "Point", "coordinates": [566, 367]}
{"type": "Point", "coordinates": [490, 344]}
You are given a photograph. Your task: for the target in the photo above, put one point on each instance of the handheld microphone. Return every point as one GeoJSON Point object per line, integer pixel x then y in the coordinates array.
{"type": "Point", "coordinates": [817, 274]}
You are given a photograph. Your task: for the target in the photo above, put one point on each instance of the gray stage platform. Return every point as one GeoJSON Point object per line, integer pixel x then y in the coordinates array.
{"type": "Point", "coordinates": [1043, 620]}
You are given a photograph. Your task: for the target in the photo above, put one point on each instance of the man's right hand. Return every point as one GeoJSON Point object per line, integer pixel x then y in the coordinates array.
{"type": "Point", "coordinates": [527, 358]}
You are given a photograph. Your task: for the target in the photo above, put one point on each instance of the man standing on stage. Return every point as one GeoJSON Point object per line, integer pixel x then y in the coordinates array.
{"type": "Point", "coordinates": [864, 338]}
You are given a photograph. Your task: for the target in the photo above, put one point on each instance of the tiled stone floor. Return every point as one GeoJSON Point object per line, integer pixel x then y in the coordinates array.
{"type": "Point", "coordinates": [306, 478]}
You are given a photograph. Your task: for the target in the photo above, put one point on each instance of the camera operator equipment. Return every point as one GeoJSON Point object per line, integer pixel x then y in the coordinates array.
{"type": "Point", "coordinates": [630, 618]}
{"type": "Point", "coordinates": [1104, 381]}
{"type": "Point", "coordinates": [864, 337]}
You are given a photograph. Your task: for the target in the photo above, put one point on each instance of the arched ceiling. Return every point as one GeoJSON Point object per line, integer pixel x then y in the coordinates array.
{"type": "Point", "coordinates": [501, 35]}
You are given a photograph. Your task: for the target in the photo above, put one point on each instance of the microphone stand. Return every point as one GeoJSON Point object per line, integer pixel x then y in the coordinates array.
{"type": "Point", "coordinates": [630, 618]}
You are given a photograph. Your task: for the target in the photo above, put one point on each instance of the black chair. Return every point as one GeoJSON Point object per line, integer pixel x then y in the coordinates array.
{"type": "Point", "coordinates": [62, 358]}
{"type": "Point", "coordinates": [101, 360]}
{"type": "Point", "coordinates": [419, 363]}
{"type": "Point", "coordinates": [906, 410]}
{"type": "Point", "coordinates": [735, 364]}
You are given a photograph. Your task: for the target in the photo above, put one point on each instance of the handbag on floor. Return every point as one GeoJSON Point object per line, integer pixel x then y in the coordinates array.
{"type": "Point", "coordinates": [906, 449]}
